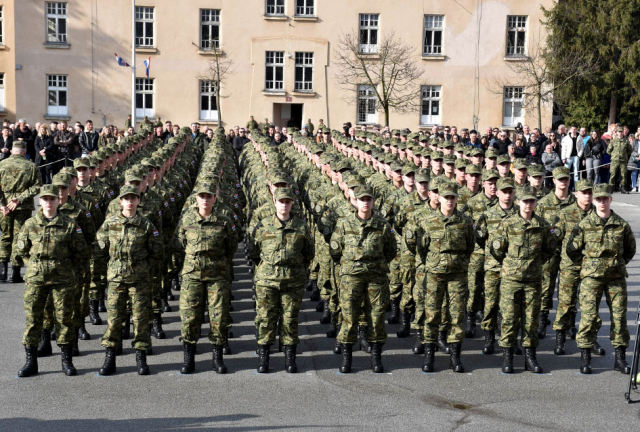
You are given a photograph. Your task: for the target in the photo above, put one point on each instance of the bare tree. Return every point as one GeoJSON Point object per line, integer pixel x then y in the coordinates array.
{"type": "Point", "coordinates": [218, 68]}
{"type": "Point", "coordinates": [392, 71]}
{"type": "Point", "coordinates": [544, 75]}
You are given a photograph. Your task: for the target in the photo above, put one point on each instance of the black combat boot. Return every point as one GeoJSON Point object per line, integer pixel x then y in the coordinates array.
{"type": "Point", "coordinates": [67, 363]}
{"type": "Point", "coordinates": [44, 348]}
{"type": "Point", "coordinates": [15, 275]}
{"type": "Point", "coordinates": [364, 343]}
{"type": "Point", "coordinates": [620, 363]}
{"type": "Point", "coordinates": [573, 332]}
{"type": "Point", "coordinates": [470, 325]}
{"type": "Point", "coordinates": [175, 284]}
{"type": "Point", "coordinates": [189, 365]}
{"type": "Point", "coordinates": [507, 361]}
{"type": "Point", "coordinates": [443, 346]}
{"type": "Point", "coordinates": [101, 306]}
{"type": "Point", "coordinates": [218, 363]}
{"type": "Point", "coordinates": [166, 307]}
{"type": "Point", "coordinates": [334, 328]}
{"type": "Point", "coordinates": [326, 313]}
{"type": "Point", "coordinates": [376, 358]}
{"type": "Point", "coordinates": [93, 313]}
{"type": "Point", "coordinates": [315, 292]}
{"type": "Point", "coordinates": [320, 306]}
{"type": "Point", "coordinates": [30, 368]}
{"type": "Point", "coordinates": [109, 366]}
{"type": "Point", "coordinates": [489, 342]}
{"type": "Point", "coordinates": [395, 311]}
{"type": "Point", "coordinates": [167, 292]}
{"type": "Point", "coordinates": [141, 362]}
{"type": "Point", "coordinates": [418, 346]}
{"type": "Point", "coordinates": [290, 359]}
{"type": "Point", "coordinates": [337, 349]}
{"type": "Point", "coordinates": [263, 363]}
{"type": "Point", "coordinates": [156, 327]}
{"type": "Point", "coordinates": [585, 361]}
{"type": "Point", "coordinates": [405, 324]}
{"type": "Point", "coordinates": [126, 328]}
{"type": "Point", "coordinates": [542, 325]}
{"type": "Point", "coordinates": [597, 349]}
{"type": "Point", "coordinates": [345, 366]}
{"type": "Point", "coordinates": [226, 349]}
{"type": "Point", "coordinates": [3, 271]}
{"type": "Point", "coordinates": [429, 357]}
{"type": "Point", "coordinates": [530, 361]}
{"type": "Point", "coordinates": [83, 334]}
{"type": "Point", "coordinates": [75, 349]}
{"type": "Point", "coordinates": [54, 332]}
{"type": "Point", "coordinates": [561, 339]}
{"type": "Point", "coordinates": [454, 363]}
{"type": "Point", "coordinates": [308, 286]}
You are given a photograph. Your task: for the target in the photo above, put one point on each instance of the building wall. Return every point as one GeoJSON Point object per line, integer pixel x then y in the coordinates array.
{"type": "Point", "coordinates": [101, 90]}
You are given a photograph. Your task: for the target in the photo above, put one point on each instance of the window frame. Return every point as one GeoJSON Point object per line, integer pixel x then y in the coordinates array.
{"type": "Point", "coordinates": [212, 97]}
{"type": "Point", "coordinates": [509, 96]}
{"type": "Point", "coordinates": [369, 28]}
{"type": "Point", "coordinates": [274, 65]}
{"type": "Point", "coordinates": [53, 11]}
{"type": "Point", "coordinates": [429, 119]}
{"type": "Point", "coordinates": [211, 24]}
{"type": "Point", "coordinates": [305, 7]}
{"type": "Point", "coordinates": [58, 83]}
{"type": "Point", "coordinates": [1, 25]}
{"type": "Point", "coordinates": [3, 107]}
{"type": "Point", "coordinates": [372, 100]}
{"type": "Point", "coordinates": [515, 50]}
{"type": "Point", "coordinates": [142, 88]}
{"type": "Point", "coordinates": [276, 4]}
{"type": "Point", "coordinates": [303, 60]}
{"type": "Point", "coordinates": [433, 31]}
{"type": "Point", "coordinates": [141, 17]}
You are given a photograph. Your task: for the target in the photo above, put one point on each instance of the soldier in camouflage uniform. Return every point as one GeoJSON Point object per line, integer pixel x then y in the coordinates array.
{"type": "Point", "coordinates": [620, 151]}
{"type": "Point", "coordinates": [127, 247]}
{"type": "Point", "coordinates": [207, 239]}
{"type": "Point", "coordinates": [521, 243]}
{"type": "Point", "coordinates": [49, 242]}
{"type": "Point", "coordinates": [536, 179]}
{"type": "Point", "coordinates": [603, 244]}
{"type": "Point", "coordinates": [363, 244]}
{"type": "Point", "coordinates": [444, 244]}
{"type": "Point", "coordinates": [19, 184]}
{"type": "Point", "coordinates": [281, 247]}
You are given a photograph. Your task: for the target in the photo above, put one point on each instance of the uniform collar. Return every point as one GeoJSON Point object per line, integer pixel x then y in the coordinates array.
{"type": "Point", "coordinates": [135, 220]}
{"type": "Point", "coordinates": [42, 220]}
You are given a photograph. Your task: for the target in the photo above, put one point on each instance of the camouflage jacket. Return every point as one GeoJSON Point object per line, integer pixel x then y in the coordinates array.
{"type": "Point", "coordinates": [604, 246]}
{"type": "Point", "coordinates": [444, 244]}
{"type": "Point", "coordinates": [19, 178]}
{"type": "Point", "coordinates": [619, 149]}
{"type": "Point", "coordinates": [563, 225]}
{"type": "Point", "coordinates": [485, 229]}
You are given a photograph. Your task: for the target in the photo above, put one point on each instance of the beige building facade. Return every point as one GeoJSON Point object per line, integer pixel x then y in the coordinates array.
{"type": "Point", "coordinates": [57, 60]}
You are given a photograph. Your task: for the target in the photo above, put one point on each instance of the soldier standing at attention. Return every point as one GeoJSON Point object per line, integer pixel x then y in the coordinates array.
{"type": "Point", "coordinates": [252, 124]}
{"type": "Point", "coordinates": [281, 248]}
{"type": "Point", "coordinates": [605, 244]}
{"type": "Point", "coordinates": [206, 238]}
{"type": "Point", "coordinates": [128, 245]}
{"type": "Point", "coordinates": [620, 151]}
{"type": "Point", "coordinates": [19, 184]}
{"type": "Point", "coordinates": [310, 127]}
{"type": "Point", "coordinates": [50, 243]}
{"type": "Point", "coordinates": [364, 244]}
{"type": "Point", "coordinates": [521, 244]}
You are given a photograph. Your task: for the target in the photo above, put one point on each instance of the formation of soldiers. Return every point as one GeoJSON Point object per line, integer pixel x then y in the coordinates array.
{"type": "Point", "coordinates": [438, 235]}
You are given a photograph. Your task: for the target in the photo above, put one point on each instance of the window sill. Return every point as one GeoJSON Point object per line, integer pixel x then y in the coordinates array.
{"type": "Point", "coordinates": [3, 113]}
{"type": "Point", "coordinates": [427, 126]}
{"type": "Point", "coordinates": [516, 58]}
{"type": "Point", "coordinates": [51, 45]}
{"type": "Point", "coordinates": [217, 53]}
{"type": "Point", "coordinates": [307, 18]}
{"type": "Point", "coordinates": [275, 17]}
{"type": "Point", "coordinates": [274, 93]}
{"type": "Point", "coordinates": [304, 93]}
{"type": "Point", "coordinates": [366, 124]}
{"type": "Point", "coordinates": [433, 57]}
{"type": "Point", "coordinates": [150, 50]}
{"type": "Point", "coordinates": [57, 117]}
{"type": "Point", "coordinates": [208, 122]}
{"type": "Point", "coordinates": [509, 126]}
{"type": "Point", "coordinates": [367, 56]}
{"type": "Point", "coordinates": [2, 47]}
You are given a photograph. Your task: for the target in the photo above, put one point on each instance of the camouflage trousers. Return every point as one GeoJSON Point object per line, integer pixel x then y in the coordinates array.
{"type": "Point", "coordinates": [407, 279]}
{"type": "Point", "coordinates": [35, 297]}
{"type": "Point", "coordinates": [419, 291]}
{"type": "Point", "coordinates": [476, 282]}
{"type": "Point", "coordinates": [314, 268]}
{"type": "Point", "coordinates": [80, 305]}
{"type": "Point", "coordinates": [324, 278]}
{"type": "Point", "coordinates": [520, 307]}
{"type": "Point", "coordinates": [193, 300]}
{"type": "Point", "coordinates": [615, 168]}
{"type": "Point", "coordinates": [442, 287]}
{"type": "Point", "coordinates": [278, 308]}
{"type": "Point", "coordinates": [550, 271]}
{"type": "Point", "coordinates": [368, 294]}
{"type": "Point", "coordinates": [491, 300]}
{"type": "Point", "coordinates": [567, 298]}
{"type": "Point", "coordinates": [117, 295]}
{"type": "Point", "coordinates": [157, 293]}
{"type": "Point", "coordinates": [395, 284]}
{"type": "Point", "coordinates": [615, 291]}
{"type": "Point", "coordinates": [10, 226]}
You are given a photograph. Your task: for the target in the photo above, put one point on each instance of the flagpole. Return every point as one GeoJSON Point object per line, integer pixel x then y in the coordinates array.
{"type": "Point", "coordinates": [133, 63]}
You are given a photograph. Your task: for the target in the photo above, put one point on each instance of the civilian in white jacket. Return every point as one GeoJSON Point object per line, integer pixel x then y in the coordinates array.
{"type": "Point", "coordinates": [572, 148]}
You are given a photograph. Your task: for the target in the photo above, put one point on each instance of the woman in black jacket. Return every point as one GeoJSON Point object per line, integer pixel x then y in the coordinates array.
{"type": "Point", "coordinates": [46, 152]}
{"type": "Point", "coordinates": [593, 152]}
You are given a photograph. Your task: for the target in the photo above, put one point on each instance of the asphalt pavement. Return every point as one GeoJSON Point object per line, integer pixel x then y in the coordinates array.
{"type": "Point", "coordinates": [318, 397]}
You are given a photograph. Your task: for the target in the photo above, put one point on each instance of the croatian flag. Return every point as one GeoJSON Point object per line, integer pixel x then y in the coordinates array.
{"type": "Point", "coordinates": [147, 65]}
{"type": "Point", "coordinates": [120, 61]}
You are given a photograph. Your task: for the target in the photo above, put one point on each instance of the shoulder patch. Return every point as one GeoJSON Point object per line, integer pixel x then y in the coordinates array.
{"type": "Point", "coordinates": [155, 233]}
{"type": "Point", "coordinates": [496, 244]}
{"type": "Point", "coordinates": [101, 244]}
{"type": "Point", "coordinates": [334, 245]}
{"type": "Point", "coordinates": [87, 214]}
{"type": "Point", "coordinates": [21, 244]}
{"type": "Point", "coordinates": [79, 230]}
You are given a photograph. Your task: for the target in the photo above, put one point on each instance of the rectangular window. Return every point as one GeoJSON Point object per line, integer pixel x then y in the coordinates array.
{"type": "Point", "coordinates": [208, 101]}
{"type": "Point", "coordinates": [1, 92]}
{"type": "Point", "coordinates": [516, 35]}
{"type": "Point", "coordinates": [56, 22]}
{"type": "Point", "coordinates": [144, 26]}
{"type": "Point", "coordinates": [369, 33]}
{"type": "Point", "coordinates": [57, 90]}
{"type": "Point", "coordinates": [367, 105]}
{"type": "Point", "coordinates": [513, 113]}
{"type": "Point", "coordinates": [305, 7]}
{"type": "Point", "coordinates": [209, 29]}
{"type": "Point", "coordinates": [144, 97]}
{"type": "Point", "coordinates": [275, 7]}
{"type": "Point", "coordinates": [1, 25]}
{"type": "Point", "coordinates": [304, 72]}
{"type": "Point", "coordinates": [430, 109]}
{"type": "Point", "coordinates": [274, 73]}
{"type": "Point", "coordinates": [433, 30]}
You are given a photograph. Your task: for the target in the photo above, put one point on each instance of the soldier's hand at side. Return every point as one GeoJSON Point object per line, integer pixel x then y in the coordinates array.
{"type": "Point", "coordinates": [15, 202]}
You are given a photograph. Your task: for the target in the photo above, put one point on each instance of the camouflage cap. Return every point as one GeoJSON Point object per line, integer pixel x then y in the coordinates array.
{"type": "Point", "coordinates": [459, 148]}
{"type": "Point", "coordinates": [363, 191]}
{"type": "Point", "coordinates": [473, 169]}
{"type": "Point", "coordinates": [447, 144]}
{"type": "Point", "coordinates": [423, 175]}
{"type": "Point", "coordinates": [449, 159]}
{"type": "Point", "coordinates": [435, 184]}
{"type": "Point", "coordinates": [490, 175]}
{"type": "Point", "coordinates": [561, 172]}
{"type": "Point", "coordinates": [100, 155]}
{"type": "Point", "coordinates": [402, 146]}
{"type": "Point", "coordinates": [396, 166]}
{"type": "Point", "coordinates": [81, 163]}
{"type": "Point", "coordinates": [340, 164]}
{"type": "Point", "coordinates": [148, 162]}
{"type": "Point", "coordinates": [584, 185]}
{"type": "Point", "coordinates": [206, 187]}
{"type": "Point", "coordinates": [461, 164]}
{"type": "Point", "coordinates": [437, 155]}
{"type": "Point", "coordinates": [132, 175]}
{"type": "Point", "coordinates": [505, 183]}
{"type": "Point", "coordinates": [278, 177]}
{"type": "Point", "coordinates": [491, 153]}
{"type": "Point", "coordinates": [602, 190]}
{"type": "Point", "coordinates": [520, 163]}
{"type": "Point", "coordinates": [418, 151]}
{"type": "Point", "coordinates": [475, 151]}
{"type": "Point", "coordinates": [284, 193]}
{"type": "Point", "coordinates": [504, 159]}
{"type": "Point", "coordinates": [426, 152]}
{"type": "Point", "coordinates": [93, 161]}
{"type": "Point", "coordinates": [20, 145]}
{"type": "Point", "coordinates": [448, 189]}
{"type": "Point", "coordinates": [536, 170]}
{"type": "Point", "coordinates": [405, 132]}
{"type": "Point", "coordinates": [61, 179]}
{"type": "Point", "coordinates": [70, 171]}
{"type": "Point", "coordinates": [408, 169]}
{"type": "Point", "coordinates": [49, 190]}
{"type": "Point", "coordinates": [128, 190]}
{"type": "Point", "coordinates": [526, 193]}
